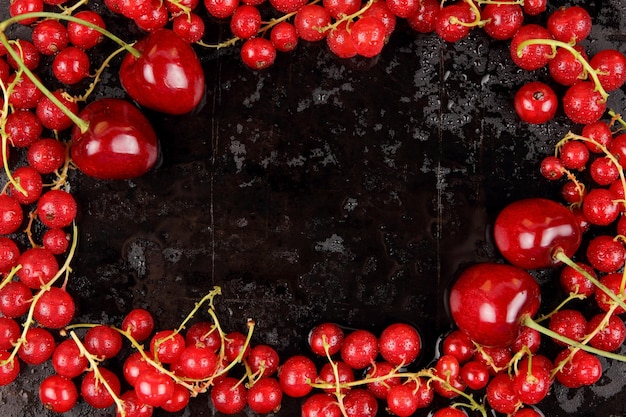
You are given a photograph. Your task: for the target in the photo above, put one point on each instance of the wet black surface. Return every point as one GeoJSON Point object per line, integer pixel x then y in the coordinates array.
{"type": "Point", "coordinates": [322, 189]}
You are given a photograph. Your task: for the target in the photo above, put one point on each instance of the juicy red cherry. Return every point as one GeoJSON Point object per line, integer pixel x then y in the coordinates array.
{"type": "Point", "coordinates": [21, 7]}
{"type": "Point", "coordinates": [58, 393]}
{"type": "Point", "coordinates": [258, 53]}
{"type": "Point", "coordinates": [139, 323]}
{"type": "Point", "coordinates": [10, 370]}
{"type": "Point", "coordinates": [532, 381]}
{"type": "Point", "coordinates": [31, 183]}
{"type": "Point", "coordinates": [551, 168]}
{"type": "Point", "coordinates": [38, 346]}
{"type": "Point", "coordinates": [153, 387]}
{"type": "Point", "coordinates": [57, 208]}
{"type": "Point", "coordinates": [583, 104]}
{"type": "Point", "coordinates": [133, 406]}
{"type": "Point", "coordinates": [197, 362]}
{"type": "Point", "coordinates": [28, 54]}
{"type": "Point", "coordinates": [380, 388]}
{"type": "Point", "coordinates": [488, 301]}
{"type": "Point", "coordinates": [529, 231]}
{"type": "Point", "coordinates": [264, 396]}
{"type": "Point", "coordinates": [600, 133]}
{"type": "Point", "coordinates": [613, 282]}
{"type": "Point", "coordinates": [610, 65]}
{"type": "Point", "coordinates": [189, 27]}
{"type": "Point", "coordinates": [263, 358]}
{"type": "Point", "coordinates": [574, 155]}
{"type": "Point", "coordinates": [229, 395]}
{"type": "Point", "coordinates": [15, 299]}
{"type": "Point", "coordinates": [603, 171]}
{"type": "Point", "coordinates": [564, 68]}
{"type": "Point", "coordinates": [447, 24]}
{"type": "Point", "coordinates": [295, 374]}
{"type": "Point", "coordinates": [95, 393]}
{"type": "Point", "coordinates": [11, 214]}
{"type": "Point", "coordinates": [327, 374]}
{"type": "Point", "coordinates": [599, 207]}
{"type": "Point", "coordinates": [245, 22]}
{"type": "Point", "coordinates": [23, 128]}
{"type": "Point", "coordinates": [50, 37]}
{"type": "Point", "coordinates": [311, 22]}
{"type": "Point", "coordinates": [320, 404]}
{"type": "Point", "coordinates": [67, 359]}
{"type": "Point", "coordinates": [611, 334]}
{"type": "Point", "coordinates": [46, 155]}
{"type": "Point", "coordinates": [495, 359]}
{"type": "Point", "coordinates": [475, 375]}
{"type": "Point", "coordinates": [103, 341]}
{"type": "Point", "coordinates": [51, 116]}
{"type": "Point", "coordinates": [56, 241]}
{"type": "Point", "coordinates": [25, 94]}
{"type": "Point", "coordinates": [337, 8]}
{"type": "Point", "coordinates": [9, 333]}
{"type": "Point", "coordinates": [534, 56]}
{"type": "Point", "coordinates": [403, 8]}
{"type": "Point", "coordinates": [582, 369]}
{"type": "Point", "coordinates": [400, 344]}
{"type": "Point", "coordinates": [501, 395]}
{"type": "Point", "coordinates": [204, 333]}
{"type": "Point", "coordinates": [126, 148]}
{"type": "Point", "coordinates": [167, 346]}
{"type": "Point", "coordinates": [536, 102]}
{"type": "Point", "coordinates": [359, 402]}
{"type": "Point", "coordinates": [605, 253]}
{"type": "Point", "coordinates": [287, 6]}
{"type": "Point", "coordinates": [503, 20]}
{"type": "Point", "coordinates": [39, 266]}
{"type": "Point", "coordinates": [71, 65]}
{"type": "Point", "coordinates": [369, 36]}
{"type": "Point", "coordinates": [82, 36]}
{"type": "Point", "coordinates": [340, 41]}
{"type": "Point", "coordinates": [55, 308]}
{"type": "Point", "coordinates": [459, 345]}
{"type": "Point", "coordinates": [569, 323]}
{"type": "Point", "coordinates": [222, 9]}
{"type": "Point", "coordinates": [424, 20]}
{"type": "Point", "coordinates": [284, 37]}
{"type": "Point", "coordinates": [359, 349]}
{"type": "Point", "coordinates": [569, 24]}
{"type": "Point", "coordinates": [178, 401]}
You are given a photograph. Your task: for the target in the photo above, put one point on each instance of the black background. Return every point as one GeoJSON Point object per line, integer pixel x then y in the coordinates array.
{"type": "Point", "coordinates": [322, 190]}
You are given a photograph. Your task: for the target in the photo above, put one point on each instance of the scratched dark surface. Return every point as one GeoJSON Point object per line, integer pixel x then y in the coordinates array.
{"type": "Point", "coordinates": [322, 190]}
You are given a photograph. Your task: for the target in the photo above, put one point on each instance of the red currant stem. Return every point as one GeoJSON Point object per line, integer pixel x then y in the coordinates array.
{"type": "Point", "coordinates": [29, 229]}
{"type": "Point", "coordinates": [94, 367]}
{"type": "Point", "coordinates": [339, 395]}
{"type": "Point", "coordinates": [571, 296]}
{"type": "Point", "coordinates": [560, 256]}
{"type": "Point", "coordinates": [207, 298]}
{"type": "Point", "coordinates": [529, 322]}
{"type": "Point", "coordinates": [69, 10]}
{"type": "Point", "coordinates": [477, 21]}
{"type": "Point", "coordinates": [554, 43]}
{"type": "Point", "coordinates": [183, 9]}
{"type": "Point", "coordinates": [62, 175]}
{"type": "Point", "coordinates": [488, 358]}
{"type": "Point", "coordinates": [513, 363]}
{"type": "Point", "coordinates": [5, 112]}
{"type": "Point", "coordinates": [98, 74]}
{"type": "Point", "coordinates": [617, 117]}
{"type": "Point", "coordinates": [520, 2]}
{"type": "Point", "coordinates": [348, 18]}
{"type": "Point", "coordinates": [9, 276]}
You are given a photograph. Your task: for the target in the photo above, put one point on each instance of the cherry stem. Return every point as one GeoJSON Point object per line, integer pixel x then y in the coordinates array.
{"type": "Point", "coordinates": [554, 43]}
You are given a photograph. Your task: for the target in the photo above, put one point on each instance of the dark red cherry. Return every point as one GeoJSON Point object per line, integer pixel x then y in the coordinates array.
{"type": "Point", "coordinates": [529, 231]}
{"type": "Point", "coordinates": [119, 143]}
{"type": "Point", "coordinates": [167, 77]}
{"type": "Point", "coordinates": [488, 302]}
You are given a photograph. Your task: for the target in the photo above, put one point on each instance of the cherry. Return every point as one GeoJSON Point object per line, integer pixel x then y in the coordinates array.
{"type": "Point", "coordinates": [10, 370]}
{"type": "Point", "coordinates": [139, 323]}
{"type": "Point", "coordinates": [583, 104]}
{"type": "Point", "coordinates": [284, 37]}
{"type": "Point", "coordinates": [46, 155]}
{"type": "Point", "coordinates": [320, 404]}
{"type": "Point", "coordinates": [581, 369]}
{"type": "Point", "coordinates": [359, 402]}
{"type": "Point", "coordinates": [501, 394]}
{"type": "Point", "coordinates": [488, 301]}
{"type": "Point", "coordinates": [82, 36]}
{"type": "Point", "coordinates": [15, 299]}
{"type": "Point", "coordinates": [258, 53]}
{"type": "Point", "coordinates": [229, 396]}
{"type": "Point", "coordinates": [311, 22]}
{"type": "Point", "coordinates": [295, 374]}
{"type": "Point", "coordinates": [534, 56]}
{"type": "Point", "coordinates": [359, 349]}
{"type": "Point", "coordinates": [167, 77]}
{"type": "Point", "coordinates": [529, 231]}
{"type": "Point", "coordinates": [50, 36]}
{"type": "Point", "coordinates": [71, 65]}
{"type": "Point", "coordinates": [245, 22]}
{"type": "Point", "coordinates": [39, 266]}
{"type": "Point", "coordinates": [569, 24]}
{"type": "Point", "coordinates": [95, 393]}
{"type": "Point", "coordinates": [54, 309]}
{"type": "Point", "coordinates": [536, 102]}
{"type": "Point", "coordinates": [611, 334]}
{"type": "Point", "coordinates": [264, 396]}
{"type": "Point", "coordinates": [103, 341]}
{"type": "Point", "coordinates": [11, 215]}
{"type": "Point", "coordinates": [503, 20]}
{"type": "Point", "coordinates": [67, 359]}
{"type": "Point", "coordinates": [119, 142]}
{"type": "Point", "coordinates": [37, 347]}
{"type": "Point", "coordinates": [58, 393]}
{"type": "Point", "coordinates": [399, 344]}
{"type": "Point", "coordinates": [263, 359]}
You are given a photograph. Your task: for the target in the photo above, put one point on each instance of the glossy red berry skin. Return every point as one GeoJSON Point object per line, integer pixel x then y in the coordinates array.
{"type": "Point", "coordinates": [38, 346]}
{"type": "Point", "coordinates": [10, 370]}
{"type": "Point", "coordinates": [258, 53]}
{"type": "Point", "coordinates": [529, 231]}
{"type": "Point", "coordinates": [71, 65]}
{"type": "Point", "coordinates": [369, 36]}
{"type": "Point", "coordinates": [425, 19]}
{"type": "Point", "coordinates": [447, 26]}
{"type": "Point", "coordinates": [320, 404]}
{"type": "Point", "coordinates": [284, 37]}
{"type": "Point", "coordinates": [326, 333]}
{"type": "Point", "coordinates": [167, 346]}
{"type": "Point", "coordinates": [569, 323]}
{"type": "Point", "coordinates": [359, 402]}
{"type": "Point", "coordinates": [569, 24]}
{"type": "Point", "coordinates": [31, 182]}
{"type": "Point", "coordinates": [311, 22]}
{"type": "Point", "coordinates": [57, 208]}
{"type": "Point", "coordinates": [599, 207]}
{"type": "Point", "coordinates": [67, 359]}
{"type": "Point", "coordinates": [265, 396]}
{"type": "Point", "coordinates": [359, 349]}
{"type": "Point", "coordinates": [58, 393]}
{"type": "Point", "coordinates": [229, 396]}
{"type": "Point", "coordinates": [15, 299]}
{"type": "Point", "coordinates": [56, 241]}
{"type": "Point", "coordinates": [82, 36]}
{"type": "Point", "coordinates": [534, 56]}
{"type": "Point", "coordinates": [536, 103]}
{"type": "Point", "coordinates": [400, 344]}
{"type": "Point", "coordinates": [583, 369]}
{"type": "Point", "coordinates": [611, 336]}
{"type": "Point", "coordinates": [39, 266]}
{"type": "Point", "coordinates": [154, 388]}
{"type": "Point", "coordinates": [263, 358]}
{"type": "Point", "coordinates": [46, 155]}
{"type": "Point", "coordinates": [139, 323]}
{"type": "Point", "coordinates": [488, 302]}
{"type": "Point", "coordinates": [501, 395]}
{"type": "Point", "coordinates": [11, 214]}
{"type": "Point", "coordinates": [245, 22]}
{"type": "Point", "coordinates": [583, 104]}
{"type": "Point", "coordinates": [503, 20]}
{"type": "Point", "coordinates": [610, 65]}
{"type": "Point", "coordinates": [103, 341]}
{"type": "Point", "coordinates": [55, 308]}
{"type": "Point", "coordinates": [294, 375]}
{"type": "Point", "coordinates": [95, 393]}
{"type": "Point", "coordinates": [564, 68]}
